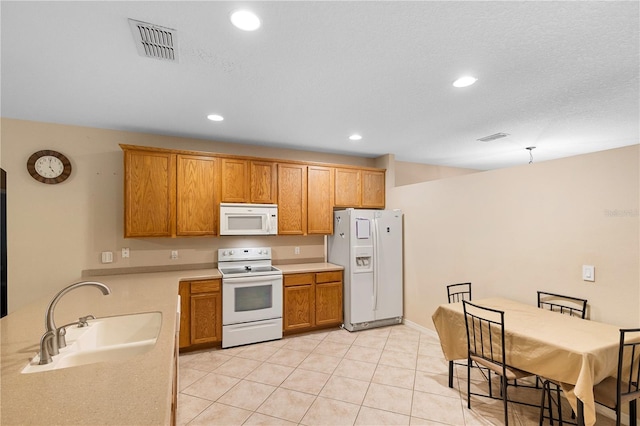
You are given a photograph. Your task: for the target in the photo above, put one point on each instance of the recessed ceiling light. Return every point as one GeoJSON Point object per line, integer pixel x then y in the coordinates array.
{"type": "Point", "coordinates": [245, 20]}
{"type": "Point", "coordinates": [215, 117]}
{"type": "Point", "coordinates": [355, 137]}
{"type": "Point", "coordinates": [465, 81]}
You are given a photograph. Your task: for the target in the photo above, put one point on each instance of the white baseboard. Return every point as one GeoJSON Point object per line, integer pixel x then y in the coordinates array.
{"type": "Point", "coordinates": [420, 328]}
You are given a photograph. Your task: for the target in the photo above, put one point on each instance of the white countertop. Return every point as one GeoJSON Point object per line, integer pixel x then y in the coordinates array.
{"type": "Point", "coordinates": [135, 391]}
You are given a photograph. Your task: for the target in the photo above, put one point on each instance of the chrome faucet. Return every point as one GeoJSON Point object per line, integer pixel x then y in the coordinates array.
{"type": "Point", "coordinates": [53, 338]}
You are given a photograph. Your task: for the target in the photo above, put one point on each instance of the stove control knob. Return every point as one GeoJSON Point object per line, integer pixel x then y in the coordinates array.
{"type": "Point", "coordinates": [231, 252]}
{"type": "Point", "coordinates": [224, 253]}
{"type": "Point", "coordinates": [260, 251]}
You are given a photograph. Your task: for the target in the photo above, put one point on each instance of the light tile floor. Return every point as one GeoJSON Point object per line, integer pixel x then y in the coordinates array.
{"type": "Point", "coordinates": [386, 376]}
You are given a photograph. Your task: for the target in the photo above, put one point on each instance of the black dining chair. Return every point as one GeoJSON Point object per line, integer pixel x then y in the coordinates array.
{"type": "Point", "coordinates": [613, 392]}
{"type": "Point", "coordinates": [567, 305]}
{"type": "Point", "coordinates": [486, 347]}
{"type": "Point", "coordinates": [457, 293]}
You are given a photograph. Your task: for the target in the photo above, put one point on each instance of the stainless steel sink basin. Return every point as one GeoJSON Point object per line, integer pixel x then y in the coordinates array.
{"type": "Point", "coordinates": [105, 339]}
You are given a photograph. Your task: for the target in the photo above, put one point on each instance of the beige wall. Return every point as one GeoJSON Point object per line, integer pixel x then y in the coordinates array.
{"type": "Point", "coordinates": [56, 231]}
{"type": "Point", "coordinates": [410, 173]}
{"type": "Point", "coordinates": [532, 227]}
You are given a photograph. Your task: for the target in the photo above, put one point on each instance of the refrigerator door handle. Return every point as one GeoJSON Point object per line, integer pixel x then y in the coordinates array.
{"type": "Point", "coordinates": [375, 263]}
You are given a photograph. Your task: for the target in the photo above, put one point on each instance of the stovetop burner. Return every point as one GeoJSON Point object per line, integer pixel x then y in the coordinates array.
{"type": "Point", "coordinates": [239, 262]}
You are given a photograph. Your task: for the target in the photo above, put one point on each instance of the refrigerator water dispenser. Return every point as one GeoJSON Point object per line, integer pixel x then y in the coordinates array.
{"type": "Point", "coordinates": [363, 259]}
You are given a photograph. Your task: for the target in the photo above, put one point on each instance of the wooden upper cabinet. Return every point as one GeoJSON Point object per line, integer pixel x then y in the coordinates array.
{"type": "Point", "coordinates": [320, 184]}
{"type": "Point", "coordinates": [348, 190]}
{"type": "Point", "coordinates": [263, 182]}
{"type": "Point", "coordinates": [235, 180]}
{"type": "Point", "coordinates": [373, 189]}
{"type": "Point", "coordinates": [149, 192]}
{"type": "Point", "coordinates": [248, 181]}
{"type": "Point", "coordinates": [359, 188]}
{"type": "Point", "coordinates": [292, 199]}
{"type": "Point", "coordinates": [197, 186]}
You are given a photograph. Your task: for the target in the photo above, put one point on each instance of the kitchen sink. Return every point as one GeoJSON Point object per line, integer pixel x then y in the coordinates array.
{"type": "Point", "coordinates": [104, 340]}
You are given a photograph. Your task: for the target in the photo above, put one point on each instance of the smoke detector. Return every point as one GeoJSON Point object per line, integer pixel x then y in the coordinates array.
{"type": "Point", "coordinates": [493, 137]}
{"type": "Point", "coordinates": [154, 41]}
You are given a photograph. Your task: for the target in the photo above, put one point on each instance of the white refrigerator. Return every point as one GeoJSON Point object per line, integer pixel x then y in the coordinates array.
{"type": "Point", "coordinates": [368, 244]}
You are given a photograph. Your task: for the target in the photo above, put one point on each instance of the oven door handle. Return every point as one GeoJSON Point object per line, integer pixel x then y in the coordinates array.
{"type": "Point", "coordinates": [250, 280]}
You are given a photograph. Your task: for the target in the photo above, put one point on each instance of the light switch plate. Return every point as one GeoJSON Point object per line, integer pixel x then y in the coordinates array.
{"type": "Point", "coordinates": [588, 273]}
{"type": "Point", "coordinates": [107, 256]}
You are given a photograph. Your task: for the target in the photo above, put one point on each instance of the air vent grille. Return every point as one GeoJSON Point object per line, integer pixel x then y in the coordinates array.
{"type": "Point", "coordinates": [154, 41]}
{"type": "Point", "coordinates": [493, 137]}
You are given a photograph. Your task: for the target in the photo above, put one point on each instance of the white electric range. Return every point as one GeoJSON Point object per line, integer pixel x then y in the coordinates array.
{"type": "Point", "coordinates": [251, 296]}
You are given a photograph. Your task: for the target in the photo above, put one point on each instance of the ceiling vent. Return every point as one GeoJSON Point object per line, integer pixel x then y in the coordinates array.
{"type": "Point", "coordinates": [493, 137]}
{"type": "Point", "coordinates": [154, 41]}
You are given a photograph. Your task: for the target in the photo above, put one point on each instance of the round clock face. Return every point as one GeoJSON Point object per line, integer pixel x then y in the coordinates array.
{"type": "Point", "coordinates": [49, 167]}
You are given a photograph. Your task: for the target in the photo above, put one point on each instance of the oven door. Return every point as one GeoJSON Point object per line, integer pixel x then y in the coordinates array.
{"type": "Point", "coordinates": [246, 299]}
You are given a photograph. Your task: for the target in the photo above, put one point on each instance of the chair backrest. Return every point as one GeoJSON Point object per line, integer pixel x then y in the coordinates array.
{"type": "Point", "coordinates": [628, 366]}
{"type": "Point", "coordinates": [458, 292]}
{"type": "Point", "coordinates": [568, 305]}
{"type": "Point", "coordinates": [485, 333]}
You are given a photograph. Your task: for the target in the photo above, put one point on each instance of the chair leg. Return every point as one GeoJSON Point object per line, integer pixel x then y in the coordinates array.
{"type": "Point", "coordinates": [503, 391]}
{"type": "Point", "coordinates": [542, 405]}
{"type": "Point", "coordinates": [469, 383]}
{"type": "Point", "coordinates": [633, 413]}
{"type": "Point", "coordinates": [490, 391]}
{"type": "Point", "coordinates": [450, 374]}
{"type": "Point", "coordinates": [559, 403]}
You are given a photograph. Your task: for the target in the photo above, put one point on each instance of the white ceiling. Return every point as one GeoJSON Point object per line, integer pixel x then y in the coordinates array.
{"type": "Point", "coordinates": [561, 76]}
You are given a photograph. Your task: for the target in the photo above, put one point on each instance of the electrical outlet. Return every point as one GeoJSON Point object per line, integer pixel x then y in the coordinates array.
{"type": "Point", "coordinates": [174, 254]}
{"type": "Point", "coordinates": [125, 253]}
{"type": "Point", "coordinates": [296, 250]}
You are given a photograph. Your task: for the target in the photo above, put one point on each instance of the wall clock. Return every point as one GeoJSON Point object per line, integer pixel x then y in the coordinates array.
{"type": "Point", "coordinates": [49, 166]}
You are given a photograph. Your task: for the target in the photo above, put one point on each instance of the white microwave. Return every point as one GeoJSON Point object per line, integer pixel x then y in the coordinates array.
{"type": "Point", "coordinates": [248, 219]}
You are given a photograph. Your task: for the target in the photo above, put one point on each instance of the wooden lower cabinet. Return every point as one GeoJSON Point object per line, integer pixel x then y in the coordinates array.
{"type": "Point", "coordinates": [201, 312]}
{"type": "Point", "coordinates": [312, 300]}
{"type": "Point", "coordinates": [329, 298]}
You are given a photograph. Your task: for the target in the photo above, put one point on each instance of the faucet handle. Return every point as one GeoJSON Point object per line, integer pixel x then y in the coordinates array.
{"type": "Point", "coordinates": [82, 321]}
{"type": "Point", "coordinates": [45, 347]}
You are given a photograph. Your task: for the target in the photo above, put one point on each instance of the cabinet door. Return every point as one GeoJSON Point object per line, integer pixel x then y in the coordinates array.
{"type": "Point", "coordinates": [149, 194]}
{"type": "Point", "coordinates": [292, 199]}
{"type": "Point", "coordinates": [263, 182]}
{"type": "Point", "coordinates": [196, 191]}
{"type": "Point", "coordinates": [320, 200]}
{"type": "Point", "coordinates": [235, 180]}
{"type": "Point", "coordinates": [328, 298]}
{"type": "Point", "coordinates": [298, 307]}
{"type": "Point", "coordinates": [206, 321]}
{"type": "Point", "coordinates": [206, 311]}
{"type": "Point", "coordinates": [373, 189]}
{"type": "Point", "coordinates": [185, 313]}
{"type": "Point", "coordinates": [348, 192]}
{"type": "Point", "coordinates": [329, 303]}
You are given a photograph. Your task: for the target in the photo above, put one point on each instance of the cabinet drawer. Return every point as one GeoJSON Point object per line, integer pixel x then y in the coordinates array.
{"type": "Point", "coordinates": [327, 277]}
{"type": "Point", "coordinates": [207, 286]}
{"type": "Point", "coordinates": [297, 279]}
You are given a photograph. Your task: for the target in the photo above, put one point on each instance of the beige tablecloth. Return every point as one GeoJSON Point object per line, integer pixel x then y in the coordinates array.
{"type": "Point", "coordinates": [578, 353]}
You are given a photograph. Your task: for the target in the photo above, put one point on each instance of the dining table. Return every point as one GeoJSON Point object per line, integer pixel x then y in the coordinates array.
{"type": "Point", "coordinates": [575, 352]}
